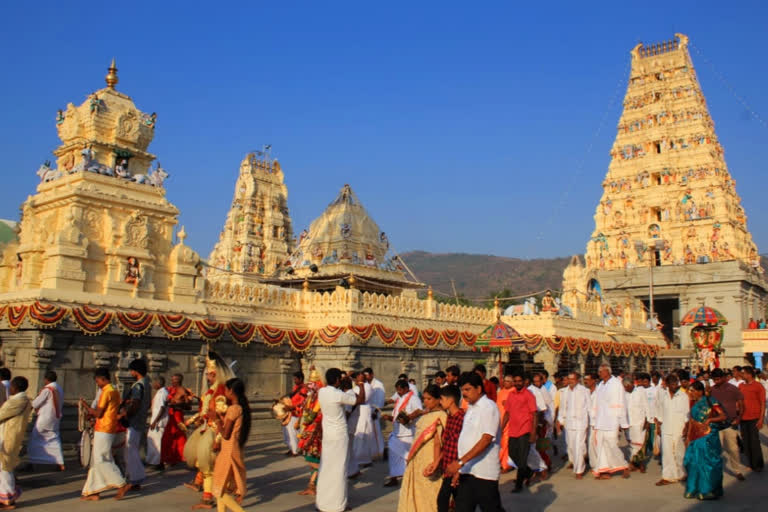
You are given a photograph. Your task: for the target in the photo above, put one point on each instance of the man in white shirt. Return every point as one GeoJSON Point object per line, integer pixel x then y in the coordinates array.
{"type": "Point", "coordinates": [332, 474]}
{"type": "Point", "coordinates": [674, 411]}
{"type": "Point", "coordinates": [535, 461]}
{"type": "Point", "coordinates": [407, 407]}
{"type": "Point", "coordinates": [610, 413]}
{"type": "Point", "coordinates": [478, 450]}
{"type": "Point", "coordinates": [736, 379]}
{"type": "Point", "coordinates": [44, 445]}
{"type": "Point", "coordinates": [574, 416]}
{"type": "Point", "coordinates": [377, 402]}
{"type": "Point", "coordinates": [638, 412]}
{"type": "Point", "coordinates": [158, 419]}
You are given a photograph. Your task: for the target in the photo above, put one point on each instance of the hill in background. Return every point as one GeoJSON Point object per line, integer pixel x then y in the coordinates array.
{"type": "Point", "coordinates": [481, 276]}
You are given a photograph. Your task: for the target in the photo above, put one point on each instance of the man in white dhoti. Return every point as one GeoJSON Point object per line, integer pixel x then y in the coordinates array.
{"type": "Point", "coordinates": [377, 402]}
{"type": "Point", "coordinates": [332, 474]}
{"type": "Point", "coordinates": [573, 415]}
{"type": "Point", "coordinates": [14, 416]}
{"type": "Point", "coordinates": [610, 413]}
{"type": "Point", "coordinates": [361, 428]}
{"type": "Point", "coordinates": [158, 419]}
{"type": "Point", "coordinates": [638, 411]}
{"type": "Point", "coordinates": [590, 382]}
{"type": "Point", "coordinates": [537, 464]}
{"type": "Point", "coordinates": [407, 407]}
{"type": "Point", "coordinates": [44, 446]}
{"type": "Point", "coordinates": [674, 412]}
{"type": "Point", "coordinates": [136, 411]}
{"type": "Point", "coordinates": [103, 473]}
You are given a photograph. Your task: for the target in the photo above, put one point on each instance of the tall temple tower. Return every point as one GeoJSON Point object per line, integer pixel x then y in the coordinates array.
{"type": "Point", "coordinates": [670, 224]}
{"type": "Point", "coordinates": [258, 235]}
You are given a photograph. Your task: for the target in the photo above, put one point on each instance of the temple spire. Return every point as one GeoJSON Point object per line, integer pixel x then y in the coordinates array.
{"type": "Point", "coordinates": [111, 77]}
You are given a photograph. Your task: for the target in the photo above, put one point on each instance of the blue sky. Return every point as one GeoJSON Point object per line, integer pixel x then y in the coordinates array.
{"type": "Point", "coordinates": [461, 126]}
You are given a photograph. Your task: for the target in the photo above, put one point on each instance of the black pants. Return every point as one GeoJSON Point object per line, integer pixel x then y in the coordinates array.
{"type": "Point", "coordinates": [444, 496]}
{"type": "Point", "coordinates": [476, 492]}
{"type": "Point", "coordinates": [751, 439]}
{"type": "Point", "coordinates": [518, 448]}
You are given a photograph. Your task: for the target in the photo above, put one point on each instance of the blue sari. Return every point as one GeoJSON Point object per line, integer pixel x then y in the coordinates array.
{"type": "Point", "coordinates": [703, 461]}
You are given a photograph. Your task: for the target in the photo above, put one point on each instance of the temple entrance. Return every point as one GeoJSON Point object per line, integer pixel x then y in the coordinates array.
{"type": "Point", "coordinates": [667, 310]}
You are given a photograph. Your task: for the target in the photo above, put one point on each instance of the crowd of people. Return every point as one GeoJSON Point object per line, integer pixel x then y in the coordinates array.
{"type": "Point", "coordinates": [756, 324]}
{"type": "Point", "coordinates": [448, 445]}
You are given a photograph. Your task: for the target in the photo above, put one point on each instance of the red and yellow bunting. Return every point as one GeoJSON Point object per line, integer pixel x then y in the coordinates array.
{"type": "Point", "coordinates": [92, 321]}
{"type": "Point", "coordinates": [209, 330]}
{"type": "Point", "coordinates": [46, 315]}
{"type": "Point", "coordinates": [16, 316]}
{"type": "Point", "coordinates": [272, 335]}
{"type": "Point", "coordinates": [135, 323]}
{"type": "Point", "coordinates": [330, 334]}
{"type": "Point", "coordinates": [175, 326]}
{"type": "Point", "coordinates": [242, 332]}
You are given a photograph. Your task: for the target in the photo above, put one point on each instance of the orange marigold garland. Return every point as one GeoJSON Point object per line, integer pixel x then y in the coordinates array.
{"type": "Point", "coordinates": [175, 326]}
{"type": "Point", "coordinates": [242, 332]}
{"type": "Point", "coordinates": [135, 323]}
{"type": "Point", "coordinates": [92, 321]}
{"type": "Point", "coordinates": [387, 335]}
{"type": "Point", "coordinates": [410, 337]}
{"type": "Point", "coordinates": [16, 315]}
{"type": "Point", "coordinates": [209, 330]}
{"type": "Point", "coordinates": [450, 337]}
{"type": "Point", "coordinates": [46, 315]}
{"type": "Point", "coordinates": [430, 337]}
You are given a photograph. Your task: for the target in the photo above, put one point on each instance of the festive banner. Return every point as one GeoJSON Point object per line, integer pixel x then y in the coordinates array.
{"type": "Point", "coordinates": [175, 326]}
{"type": "Point", "coordinates": [330, 334]}
{"type": "Point", "coordinates": [209, 330]}
{"type": "Point", "coordinates": [409, 336]}
{"type": "Point", "coordinates": [301, 340]}
{"type": "Point", "coordinates": [90, 320]}
{"type": "Point", "coordinates": [430, 337]}
{"type": "Point", "coordinates": [272, 335]}
{"type": "Point", "coordinates": [16, 315]}
{"type": "Point", "coordinates": [364, 333]}
{"type": "Point", "coordinates": [242, 332]}
{"type": "Point", "coordinates": [135, 323]}
{"type": "Point", "coordinates": [47, 315]}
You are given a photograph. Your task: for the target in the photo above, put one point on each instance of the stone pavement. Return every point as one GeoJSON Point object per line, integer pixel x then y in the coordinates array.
{"type": "Point", "coordinates": [274, 480]}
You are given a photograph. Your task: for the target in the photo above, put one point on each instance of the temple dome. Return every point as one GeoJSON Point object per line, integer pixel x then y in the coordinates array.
{"type": "Point", "coordinates": [345, 241]}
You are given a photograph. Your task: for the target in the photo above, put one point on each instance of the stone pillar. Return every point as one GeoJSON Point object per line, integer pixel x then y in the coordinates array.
{"type": "Point", "coordinates": [548, 358]}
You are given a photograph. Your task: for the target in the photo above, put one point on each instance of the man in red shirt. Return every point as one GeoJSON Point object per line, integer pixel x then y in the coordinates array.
{"type": "Point", "coordinates": [450, 398]}
{"type": "Point", "coordinates": [520, 420]}
{"type": "Point", "coordinates": [488, 386]}
{"type": "Point", "coordinates": [752, 324]}
{"type": "Point", "coordinates": [752, 418]}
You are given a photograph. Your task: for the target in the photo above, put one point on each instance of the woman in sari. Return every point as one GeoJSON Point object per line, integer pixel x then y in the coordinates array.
{"type": "Point", "coordinates": [418, 493]}
{"type": "Point", "coordinates": [703, 461]}
{"type": "Point", "coordinates": [311, 435]}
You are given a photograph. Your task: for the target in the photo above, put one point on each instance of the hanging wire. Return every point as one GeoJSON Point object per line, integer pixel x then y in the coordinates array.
{"type": "Point", "coordinates": [742, 101]}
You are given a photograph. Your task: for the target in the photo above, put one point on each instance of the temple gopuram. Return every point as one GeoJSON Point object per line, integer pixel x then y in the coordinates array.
{"type": "Point", "coordinates": [99, 274]}
{"type": "Point", "coordinates": [670, 230]}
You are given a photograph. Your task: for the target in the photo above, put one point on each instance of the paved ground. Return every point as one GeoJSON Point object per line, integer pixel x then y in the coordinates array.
{"type": "Point", "coordinates": [274, 480]}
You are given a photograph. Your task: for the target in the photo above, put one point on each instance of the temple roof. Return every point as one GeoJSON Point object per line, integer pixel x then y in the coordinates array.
{"type": "Point", "coordinates": [345, 241]}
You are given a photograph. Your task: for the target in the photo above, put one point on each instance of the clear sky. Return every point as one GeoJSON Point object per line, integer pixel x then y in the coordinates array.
{"type": "Point", "coordinates": [462, 126]}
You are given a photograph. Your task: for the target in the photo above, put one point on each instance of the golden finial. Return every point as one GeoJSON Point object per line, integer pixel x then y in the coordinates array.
{"type": "Point", "coordinates": [352, 281]}
{"type": "Point", "coordinates": [305, 285]}
{"type": "Point", "coordinates": [430, 293]}
{"type": "Point", "coordinates": [111, 77]}
{"type": "Point", "coordinates": [182, 235]}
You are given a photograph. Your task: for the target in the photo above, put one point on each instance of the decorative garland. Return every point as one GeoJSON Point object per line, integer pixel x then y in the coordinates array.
{"type": "Point", "coordinates": [90, 320]}
{"type": "Point", "coordinates": [46, 315]}
{"type": "Point", "coordinates": [93, 321]}
{"type": "Point", "coordinates": [209, 330]}
{"type": "Point", "coordinates": [135, 324]}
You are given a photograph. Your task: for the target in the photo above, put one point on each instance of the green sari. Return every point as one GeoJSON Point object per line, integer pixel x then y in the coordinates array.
{"type": "Point", "coordinates": [703, 457]}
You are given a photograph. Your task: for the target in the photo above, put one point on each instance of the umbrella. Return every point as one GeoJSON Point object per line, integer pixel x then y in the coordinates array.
{"type": "Point", "coordinates": [704, 315]}
{"type": "Point", "coordinates": [499, 335]}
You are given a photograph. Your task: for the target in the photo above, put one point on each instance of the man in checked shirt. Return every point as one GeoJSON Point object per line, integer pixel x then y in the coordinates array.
{"type": "Point", "coordinates": [450, 400]}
